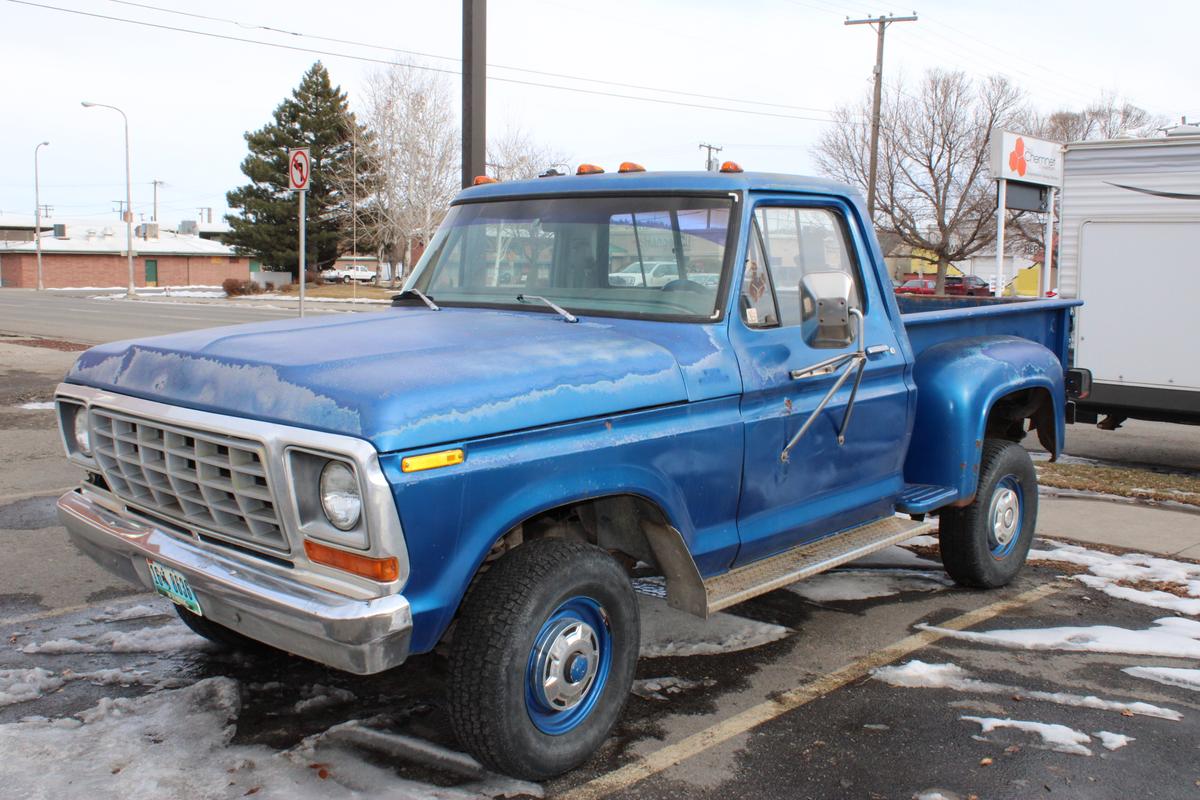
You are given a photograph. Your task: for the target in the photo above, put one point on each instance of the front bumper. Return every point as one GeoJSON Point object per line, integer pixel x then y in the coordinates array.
{"type": "Point", "coordinates": [263, 602]}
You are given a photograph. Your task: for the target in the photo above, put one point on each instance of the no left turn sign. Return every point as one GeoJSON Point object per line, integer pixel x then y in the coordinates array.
{"type": "Point", "coordinates": [299, 169]}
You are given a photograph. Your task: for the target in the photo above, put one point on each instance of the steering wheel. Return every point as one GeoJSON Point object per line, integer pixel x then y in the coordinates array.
{"type": "Point", "coordinates": [684, 285]}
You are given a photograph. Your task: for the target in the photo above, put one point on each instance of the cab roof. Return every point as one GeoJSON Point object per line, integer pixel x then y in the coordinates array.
{"type": "Point", "coordinates": [661, 182]}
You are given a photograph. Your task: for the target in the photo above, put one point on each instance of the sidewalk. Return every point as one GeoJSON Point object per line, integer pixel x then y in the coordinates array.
{"type": "Point", "coordinates": [1140, 527]}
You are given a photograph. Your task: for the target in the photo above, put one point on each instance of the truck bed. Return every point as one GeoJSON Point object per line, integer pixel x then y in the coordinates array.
{"type": "Point", "coordinates": [931, 321]}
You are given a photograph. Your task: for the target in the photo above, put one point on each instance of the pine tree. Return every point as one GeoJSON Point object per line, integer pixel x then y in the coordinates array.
{"type": "Point", "coordinates": [317, 115]}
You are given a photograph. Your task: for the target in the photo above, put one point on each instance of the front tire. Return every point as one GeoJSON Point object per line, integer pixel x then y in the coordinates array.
{"type": "Point", "coordinates": [984, 544]}
{"type": "Point", "coordinates": [219, 634]}
{"type": "Point", "coordinates": [543, 658]}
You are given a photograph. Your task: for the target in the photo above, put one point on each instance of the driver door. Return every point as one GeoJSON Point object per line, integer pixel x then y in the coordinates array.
{"type": "Point", "coordinates": [824, 486]}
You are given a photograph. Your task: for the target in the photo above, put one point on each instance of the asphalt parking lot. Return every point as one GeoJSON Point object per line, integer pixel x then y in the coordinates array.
{"type": "Point", "coordinates": [878, 681]}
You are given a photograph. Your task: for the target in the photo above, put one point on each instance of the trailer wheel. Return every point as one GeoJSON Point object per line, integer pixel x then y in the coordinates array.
{"type": "Point", "coordinates": [543, 658]}
{"type": "Point", "coordinates": [984, 544]}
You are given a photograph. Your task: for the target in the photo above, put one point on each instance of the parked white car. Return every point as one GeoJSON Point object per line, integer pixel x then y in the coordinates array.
{"type": "Point", "coordinates": [356, 273]}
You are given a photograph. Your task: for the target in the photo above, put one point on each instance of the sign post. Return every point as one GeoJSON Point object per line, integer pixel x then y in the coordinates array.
{"type": "Point", "coordinates": [299, 171]}
{"type": "Point", "coordinates": [1028, 164]}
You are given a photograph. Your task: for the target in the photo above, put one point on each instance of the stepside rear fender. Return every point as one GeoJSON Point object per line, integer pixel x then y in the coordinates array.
{"type": "Point", "coordinates": [958, 384]}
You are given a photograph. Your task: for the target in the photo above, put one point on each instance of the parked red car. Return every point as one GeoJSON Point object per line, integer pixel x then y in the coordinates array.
{"type": "Point", "coordinates": [917, 286]}
{"type": "Point", "coordinates": [970, 285]}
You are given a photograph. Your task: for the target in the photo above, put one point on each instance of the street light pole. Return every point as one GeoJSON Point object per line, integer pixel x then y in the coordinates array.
{"type": "Point", "coordinates": [37, 214]}
{"type": "Point", "coordinates": [130, 293]}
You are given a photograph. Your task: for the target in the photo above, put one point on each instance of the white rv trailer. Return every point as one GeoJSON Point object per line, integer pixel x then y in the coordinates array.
{"type": "Point", "coordinates": [1130, 249]}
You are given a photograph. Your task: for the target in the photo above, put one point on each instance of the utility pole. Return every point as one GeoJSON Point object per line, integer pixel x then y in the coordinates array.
{"type": "Point", "coordinates": [154, 215]}
{"type": "Point", "coordinates": [710, 161]}
{"type": "Point", "coordinates": [120, 209]}
{"type": "Point", "coordinates": [880, 24]}
{"type": "Point", "coordinates": [474, 86]}
{"type": "Point", "coordinates": [37, 214]}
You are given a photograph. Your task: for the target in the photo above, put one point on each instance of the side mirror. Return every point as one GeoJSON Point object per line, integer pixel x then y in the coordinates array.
{"type": "Point", "coordinates": [825, 310]}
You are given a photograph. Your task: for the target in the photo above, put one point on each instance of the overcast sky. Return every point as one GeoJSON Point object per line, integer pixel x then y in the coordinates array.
{"type": "Point", "coordinates": [190, 98]}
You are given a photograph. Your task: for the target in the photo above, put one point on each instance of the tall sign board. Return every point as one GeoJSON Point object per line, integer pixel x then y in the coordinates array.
{"type": "Point", "coordinates": [299, 161]}
{"type": "Point", "coordinates": [1033, 166]}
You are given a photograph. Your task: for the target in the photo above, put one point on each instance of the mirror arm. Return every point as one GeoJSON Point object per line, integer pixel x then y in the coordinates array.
{"type": "Point", "coordinates": [856, 362]}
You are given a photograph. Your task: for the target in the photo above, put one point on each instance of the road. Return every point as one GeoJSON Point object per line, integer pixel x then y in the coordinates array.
{"type": "Point", "coordinates": [79, 318]}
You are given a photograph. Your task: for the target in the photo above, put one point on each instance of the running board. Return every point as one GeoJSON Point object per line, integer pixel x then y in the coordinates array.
{"type": "Point", "coordinates": [769, 574]}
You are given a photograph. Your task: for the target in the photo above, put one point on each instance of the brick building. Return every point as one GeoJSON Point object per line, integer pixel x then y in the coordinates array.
{"type": "Point", "coordinates": [78, 255]}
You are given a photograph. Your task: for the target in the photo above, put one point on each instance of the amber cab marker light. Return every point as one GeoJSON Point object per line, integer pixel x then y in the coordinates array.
{"type": "Point", "coordinates": [480, 180]}
{"type": "Point", "coordinates": [629, 166]}
{"type": "Point", "coordinates": [442, 458]}
{"type": "Point", "coordinates": [384, 570]}
{"type": "Point", "coordinates": [589, 169]}
{"type": "Point", "coordinates": [730, 166]}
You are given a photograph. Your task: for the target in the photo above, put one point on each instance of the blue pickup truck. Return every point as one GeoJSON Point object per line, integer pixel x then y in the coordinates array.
{"type": "Point", "coordinates": [488, 462]}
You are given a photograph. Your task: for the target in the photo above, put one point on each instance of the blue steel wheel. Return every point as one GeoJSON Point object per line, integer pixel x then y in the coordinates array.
{"type": "Point", "coordinates": [542, 658]}
{"type": "Point", "coordinates": [568, 666]}
{"type": "Point", "coordinates": [984, 544]}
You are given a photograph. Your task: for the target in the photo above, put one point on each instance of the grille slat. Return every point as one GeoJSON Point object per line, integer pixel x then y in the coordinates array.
{"type": "Point", "coordinates": [198, 478]}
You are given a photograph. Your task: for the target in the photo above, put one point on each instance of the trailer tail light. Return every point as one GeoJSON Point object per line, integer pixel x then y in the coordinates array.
{"type": "Point", "coordinates": [629, 166]}
{"type": "Point", "coordinates": [589, 169]}
{"type": "Point", "coordinates": [383, 570]}
{"type": "Point", "coordinates": [731, 166]}
{"type": "Point", "coordinates": [482, 179]}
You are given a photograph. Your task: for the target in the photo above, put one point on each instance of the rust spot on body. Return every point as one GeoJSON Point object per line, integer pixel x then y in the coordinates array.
{"type": "Point", "coordinates": [787, 405]}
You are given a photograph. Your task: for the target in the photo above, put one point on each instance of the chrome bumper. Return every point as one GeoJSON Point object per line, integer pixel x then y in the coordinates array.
{"type": "Point", "coordinates": [262, 602]}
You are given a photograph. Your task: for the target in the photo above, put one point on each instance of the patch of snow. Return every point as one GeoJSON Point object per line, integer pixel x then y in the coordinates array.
{"type": "Point", "coordinates": [139, 611]}
{"type": "Point", "coordinates": [1053, 736]}
{"type": "Point", "coordinates": [318, 696]}
{"type": "Point", "coordinates": [1170, 637]}
{"type": "Point", "coordinates": [1170, 676]}
{"type": "Point", "coordinates": [862, 584]}
{"type": "Point", "coordinates": [663, 688]}
{"type": "Point", "coordinates": [921, 541]}
{"type": "Point", "coordinates": [113, 677]}
{"type": "Point", "coordinates": [38, 406]}
{"type": "Point", "coordinates": [161, 639]}
{"type": "Point", "coordinates": [918, 674]}
{"type": "Point", "coordinates": [178, 743]}
{"type": "Point", "coordinates": [1113, 741]}
{"type": "Point", "coordinates": [1106, 570]}
{"type": "Point", "coordinates": [23, 685]}
{"type": "Point", "coordinates": [668, 632]}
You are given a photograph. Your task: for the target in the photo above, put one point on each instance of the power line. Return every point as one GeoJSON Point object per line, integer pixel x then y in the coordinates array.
{"type": "Point", "coordinates": [525, 70]}
{"type": "Point", "coordinates": [315, 51]}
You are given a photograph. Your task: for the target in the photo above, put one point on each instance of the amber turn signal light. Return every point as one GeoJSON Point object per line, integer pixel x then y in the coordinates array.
{"type": "Point", "coordinates": [589, 169]}
{"type": "Point", "coordinates": [482, 179]}
{"type": "Point", "coordinates": [377, 569]}
{"type": "Point", "coordinates": [629, 166]}
{"type": "Point", "coordinates": [730, 166]}
{"type": "Point", "coordinates": [442, 458]}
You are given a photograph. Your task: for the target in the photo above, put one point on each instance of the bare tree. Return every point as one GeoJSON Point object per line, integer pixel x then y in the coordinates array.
{"type": "Point", "coordinates": [516, 155]}
{"type": "Point", "coordinates": [415, 143]}
{"type": "Point", "coordinates": [1107, 118]}
{"type": "Point", "coordinates": [934, 192]}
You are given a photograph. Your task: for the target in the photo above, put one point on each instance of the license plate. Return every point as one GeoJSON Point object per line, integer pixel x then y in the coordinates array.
{"type": "Point", "coordinates": [174, 586]}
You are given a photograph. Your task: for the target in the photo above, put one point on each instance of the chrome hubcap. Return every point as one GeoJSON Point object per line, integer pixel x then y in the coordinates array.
{"type": "Point", "coordinates": [566, 660]}
{"type": "Point", "coordinates": [1005, 515]}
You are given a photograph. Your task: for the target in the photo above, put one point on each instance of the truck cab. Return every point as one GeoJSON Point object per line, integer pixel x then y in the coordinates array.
{"type": "Point", "coordinates": [499, 460]}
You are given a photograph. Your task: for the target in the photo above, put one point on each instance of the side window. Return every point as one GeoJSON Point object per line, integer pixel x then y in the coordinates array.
{"type": "Point", "coordinates": [798, 241]}
{"type": "Point", "coordinates": [757, 300]}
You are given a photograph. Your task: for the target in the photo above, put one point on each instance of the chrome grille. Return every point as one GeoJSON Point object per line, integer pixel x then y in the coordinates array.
{"type": "Point", "coordinates": [209, 481]}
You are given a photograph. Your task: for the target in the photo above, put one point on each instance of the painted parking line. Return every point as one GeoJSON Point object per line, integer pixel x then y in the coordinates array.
{"type": "Point", "coordinates": [722, 731]}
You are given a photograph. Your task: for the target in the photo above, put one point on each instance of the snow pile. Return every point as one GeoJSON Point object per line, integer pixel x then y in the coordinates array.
{"type": "Point", "coordinates": [668, 632]}
{"type": "Point", "coordinates": [319, 696]}
{"type": "Point", "coordinates": [863, 584]}
{"type": "Point", "coordinates": [1107, 570]}
{"type": "Point", "coordinates": [161, 639]}
{"type": "Point", "coordinates": [139, 611]}
{"type": "Point", "coordinates": [1170, 637]}
{"type": "Point", "coordinates": [38, 406]}
{"type": "Point", "coordinates": [23, 685]}
{"type": "Point", "coordinates": [1113, 741]}
{"type": "Point", "coordinates": [918, 674]}
{"type": "Point", "coordinates": [1171, 676]}
{"type": "Point", "coordinates": [1053, 736]}
{"type": "Point", "coordinates": [664, 688]}
{"type": "Point", "coordinates": [177, 743]}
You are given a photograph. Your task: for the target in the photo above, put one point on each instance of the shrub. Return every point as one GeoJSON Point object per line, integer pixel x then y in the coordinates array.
{"type": "Point", "coordinates": [236, 287]}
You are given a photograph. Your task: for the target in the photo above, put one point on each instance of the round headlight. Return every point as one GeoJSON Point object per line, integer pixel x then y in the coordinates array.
{"type": "Point", "coordinates": [83, 439]}
{"type": "Point", "coordinates": [340, 498]}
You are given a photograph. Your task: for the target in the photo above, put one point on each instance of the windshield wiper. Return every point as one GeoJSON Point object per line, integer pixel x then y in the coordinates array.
{"type": "Point", "coordinates": [421, 296]}
{"type": "Point", "coordinates": [567, 315]}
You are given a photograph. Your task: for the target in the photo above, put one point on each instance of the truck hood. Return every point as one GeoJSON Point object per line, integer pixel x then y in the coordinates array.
{"type": "Point", "coordinates": [403, 378]}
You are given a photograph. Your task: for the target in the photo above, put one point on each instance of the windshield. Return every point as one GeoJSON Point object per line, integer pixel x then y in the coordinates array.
{"type": "Point", "coordinates": [625, 256]}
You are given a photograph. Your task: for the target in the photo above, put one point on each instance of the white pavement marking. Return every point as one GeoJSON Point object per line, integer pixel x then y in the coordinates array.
{"type": "Point", "coordinates": [726, 729]}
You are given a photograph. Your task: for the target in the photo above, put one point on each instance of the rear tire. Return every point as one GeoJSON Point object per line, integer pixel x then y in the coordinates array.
{"type": "Point", "coordinates": [984, 544]}
{"type": "Point", "coordinates": [543, 658]}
